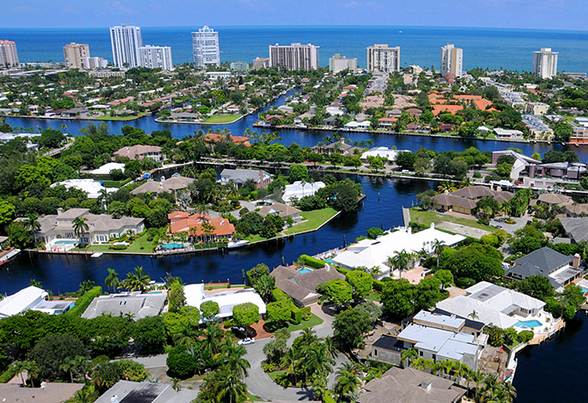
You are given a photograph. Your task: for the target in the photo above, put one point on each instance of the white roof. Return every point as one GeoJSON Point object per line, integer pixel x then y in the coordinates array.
{"type": "Point", "coordinates": [383, 152]}
{"type": "Point", "coordinates": [300, 190]}
{"type": "Point", "coordinates": [492, 304]}
{"type": "Point", "coordinates": [365, 123]}
{"type": "Point", "coordinates": [195, 296]}
{"type": "Point", "coordinates": [443, 342]}
{"type": "Point", "coordinates": [370, 252]}
{"type": "Point", "coordinates": [107, 168]}
{"type": "Point", "coordinates": [24, 299]}
{"type": "Point", "coordinates": [90, 186]}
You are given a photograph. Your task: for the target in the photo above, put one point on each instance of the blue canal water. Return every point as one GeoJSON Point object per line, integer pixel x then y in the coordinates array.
{"type": "Point", "coordinates": [494, 48]}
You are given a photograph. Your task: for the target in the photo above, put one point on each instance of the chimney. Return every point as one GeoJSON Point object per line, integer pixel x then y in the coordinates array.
{"type": "Point", "coordinates": [114, 399]}
{"type": "Point", "coordinates": [261, 184]}
{"type": "Point", "coordinates": [426, 386]}
{"type": "Point", "coordinates": [59, 211]}
{"type": "Point", "coordinates": [576, 261]}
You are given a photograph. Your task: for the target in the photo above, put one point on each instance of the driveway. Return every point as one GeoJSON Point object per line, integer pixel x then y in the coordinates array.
{"type": "Point", "coordinates": [260, 384]}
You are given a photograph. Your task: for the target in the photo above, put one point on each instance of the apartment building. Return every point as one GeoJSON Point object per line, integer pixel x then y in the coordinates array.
{"type": "Point", "coordinates": [382, 58]}
{"type": "Point", "coordinates": [206, 48]}
{"type": "Point", "coordinates": [294, 57]}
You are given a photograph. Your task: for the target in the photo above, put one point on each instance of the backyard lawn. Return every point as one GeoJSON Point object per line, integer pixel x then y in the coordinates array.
{"type": "Point", "coordinates": [140, 245]}
{"type": "Point", "coordinates": [428, 217]}
{"type": "Point", "coordinates": [313, 321]}
{"type": "Point", "coordinates": [121, 118]}
{"type": "Point", "coordinates": [315, 218]}
{"type": "Point", "coordinates": [222, 119]}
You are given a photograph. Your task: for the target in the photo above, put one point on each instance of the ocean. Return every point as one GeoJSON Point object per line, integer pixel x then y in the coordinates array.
{"type": "Point", "coordinates": [510, 49]}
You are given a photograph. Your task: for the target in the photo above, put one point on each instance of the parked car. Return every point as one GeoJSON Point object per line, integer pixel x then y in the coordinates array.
{"type": "Point", "coordinates": [238, 329]}
{"type": "Point", "coordinates": [246, 341]}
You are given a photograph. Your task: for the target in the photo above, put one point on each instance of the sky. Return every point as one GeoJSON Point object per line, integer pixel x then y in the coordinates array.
{"type": "Point", "coordinates": [529, 14]}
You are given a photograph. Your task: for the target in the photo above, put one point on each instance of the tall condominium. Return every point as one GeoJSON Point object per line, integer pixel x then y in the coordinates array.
{"type": "Point", "coordinates": [545, 63]}
{"type": "Point", "coordinates": [339, 63]}
{"type": "Point", "coordinates": [451, 60]}
{"type": "Point", "coordinates": [260, 63]}
{"type": "Point", "coordinates": [294, 57]}
{"type": "Point", "coordinates": [92, 63]}
{"type": "Point", "coordinates": [8, 54]}
{"type": "Point", "coordinates": [382, 58]}
{"type": "Point", "coordinates": [155, 57]}
{"type": "Point", "coordinates": [206, 47]}
{"type": "Point", "coordinates": [126, 41]}
{"type": "Point", "coordinates": [74, 54]}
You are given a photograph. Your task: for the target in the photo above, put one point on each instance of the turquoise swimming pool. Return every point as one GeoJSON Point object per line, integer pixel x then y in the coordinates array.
{"type": "Point", "coordinates": [155, 292]}
{"type": "Point", "coordinates": [584, 291]}
{"type": "Point", "coordinates": [302, 271]}
{"type": "Point", "coordinates": [528, 323]}
{"type": "Point", "coordinates": [172, 246]}
{"type": "Point", "coordinates": [65, 242]}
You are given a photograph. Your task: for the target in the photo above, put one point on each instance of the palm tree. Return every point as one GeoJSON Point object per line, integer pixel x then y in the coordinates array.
{"type": "Point", "coordinates": [400, 261]}
{"type": "Point", "coordinates": [233, 356]}
{"type": "Point", "coordinates": [137, 280]}
{"type": "Point", "coordinates": [420, 364]}
{"type": "Point", "coordinates": [112, 280]}
{"type": "Point", "coordinates": [69, 366]}
{"type": "Point", "coordinates": [212, 335]}
{"type": "Point", "coordinates": [32, 370]}
{"type": "Point", "coordinates": [186, 336]}
{"type": "Point", "coordinates": [31, 223]}
{"type": "Point", "coordinates": [477, 377]}
{"type": "Point", "coordinates": [437, 247]}
{"type": "Point", "coordinates": [19, 367]}
{"type": "Point", "coordinates": [347, 382]}
{"type": "Point", "coordinates": [473, 315]}
{"type": "Point", "coordinates": [291, 361]}
{"type": "Point", "coordinates": [408, 356]}
{"type": "Point", "coordinates": [80, 227]}
{"type": "Point", "coordinates": [265, 287]}
{"type": "Point", "coordinates": [317, 359]}
{"type": "Point", "coordinates": [229, 383]}
{"type": "Point", "coordinates": [176, 384]}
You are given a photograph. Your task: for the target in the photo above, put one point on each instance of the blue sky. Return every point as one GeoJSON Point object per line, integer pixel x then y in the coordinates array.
{"type": "Point", "coordinates": [532, 14]}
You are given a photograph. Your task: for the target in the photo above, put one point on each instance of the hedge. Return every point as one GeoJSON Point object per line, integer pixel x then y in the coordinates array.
{"type": "Point", "coordinates": [327, 398]}
{"type": "Point", "coordinates": [84, 301]}
{"type": "Point", "coordinates": [342, 270]}
{"type": "Point", "coordinates": [378, 285]}
{"type": "Point", "coordinates": [279, 295]}
{"type": "Point", "coordinates": [312, 262]}
{"type": "Point", "coordinates": [296, 315]}
{"type": "Point", "coordinates": [8, 374]}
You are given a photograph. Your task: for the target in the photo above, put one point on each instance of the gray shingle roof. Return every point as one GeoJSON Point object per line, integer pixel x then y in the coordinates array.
{"type": "Point", "coordinates": [541, 262]}
{"type": "Point", "coordinates": [577, 228]}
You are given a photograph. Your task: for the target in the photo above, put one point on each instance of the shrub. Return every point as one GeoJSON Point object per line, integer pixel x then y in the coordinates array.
{"type": "Point", "coordinates": [279, 295]}
{"type": "Point", "coordinates": [465, 282]}
{"type": "Point", "coordinates": [312, 262]}
{"type": "Point", "coordinates": [378, 285]}
{"type": "Point", "coordinates": [525, 336]}
{"type": "Point", "coordinates": [180, 364]}
{"type": "Point", "coordinates": [8, 374]}
{"type": "Point", "coordinates": [118, 247]}
{"type": "Point", "coordinates": [296, 315]}
{"type": "Point", "coordinates": [477, 175]}
{"type": "Point", "coordinates": [84, 301]}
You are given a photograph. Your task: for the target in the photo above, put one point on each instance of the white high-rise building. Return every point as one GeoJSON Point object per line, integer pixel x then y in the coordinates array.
{"type": "Point", "coordinates": [545, 63]}
{"type": "Point", "coordinates": [8, 54]}
{"type": "Point", "coordinates": [339, 63]}
{"type": "Point", "coordinates": [92, 63]}
{"type": "Point", "coordinates": [382, 58]}
{"type": "Point", "coordinates": [206, 47]}
{"type": "Point", "coordinates": [294, 57]}
{"type": "Point", "coordinates": [155, 57]}
{"type": "Point", "coordinates": [126, 41]}
{"type": "Point", "coordinates": [451, 60]}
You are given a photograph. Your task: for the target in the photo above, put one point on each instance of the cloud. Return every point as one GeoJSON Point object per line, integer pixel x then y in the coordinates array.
{"type": "Point", "coordinates": [24, 9]}
{"type": "Point", "coordinates": [125, 10]}
{"type": "Point", "coordinates": [352, 4]}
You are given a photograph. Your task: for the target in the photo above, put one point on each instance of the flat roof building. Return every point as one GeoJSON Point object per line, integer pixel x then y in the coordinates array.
{"type": "Point", "coordinates": [75, 54]}
{"type": "Point", "coordinates": [8, 54]}
{"type": "Point", "coordinates": [156, 57]}
{"type": "Point", "coordinates": [134, 303]}
{"type": "Point", "coordinates": [21, 301]}
{"type": "Point", "coordinates": [226, 301]}
{"type": "Point", "coordinates": [339, 63]}
{"type": "Point", "coordinates": [206, 48]}
{"type": "Point", "coordinates": [294, 57]}
{"type": "Point", "coordinates": [545, 63]}
{"type": "Point", "coordinates": [382, 58]}
{"type": "Point", "coordinates": [451, 60]}
{"type": "Point", "coordinates": [126, 41]}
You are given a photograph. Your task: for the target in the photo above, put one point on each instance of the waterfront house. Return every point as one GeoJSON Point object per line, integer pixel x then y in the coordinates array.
{"type": "Point", "coordinates": [337, 147]}
{"type": "Point", "coordinates": [57, 231]}
{"type": "Point", "coordinates": [227, 300]}
{"type": "Point", "coordinates": [301, 283]}
{"type": "Point", "coordinates": [525, 167]}
{"type": "Point", "coordinates": [410, 385]}
{"type": "Point", "coordinates": [238, 177]}
{"type": "Point", "coordinates": [383, 152]}
{"type": "Point", "coordinates": [434, 337]}
{"type": "Point", "coordinates": [220, 228]}
{"type": "Point", "coordinates": [138, 152]}
{"type": "Point", "coordinates": [214, 138]}
{"type": "Point", "coordinates": [375, 252]}
{"type": "Point", "coordinates": [25, 299]}
{"type": "Point", "coordinates": [282, 210]}
{"type": "Point", "coordinates": [558, 268]}
{"type": "Point", "coordinates": [299, 190]}
{"type": "Point", "coordinates": [134, 304]}
{"type": "Point", "coordinates": [496, 305]}
{"type": "Point", "coordinates": [146, 392]}
{"type": "Point", "coordinates": [91, 187]}
{"type": "Point", "coordinates": [464, 200]}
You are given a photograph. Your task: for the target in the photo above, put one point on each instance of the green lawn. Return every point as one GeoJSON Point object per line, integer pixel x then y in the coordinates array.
{"type": "Point", "coordinates": [251, 398]}
{"type": "Point", "coordinates": [428, 217]}
{"type": "Point", "coordinates": [140, 245]}
{"type": "Point", "coordinates": [222, 119]}
{"type": "Point", "coordinates": [121, 118]}
{"type": "Point", "coordinates": [276, 374]}
{"type": "Point", "coordinates": [312, 322]}
{"type": "Point", "coordinates": [315, 218]}
{"type": "Point", "coordinates": [374, 296]}
{"type": "Point", "coordinates": [115, 184]}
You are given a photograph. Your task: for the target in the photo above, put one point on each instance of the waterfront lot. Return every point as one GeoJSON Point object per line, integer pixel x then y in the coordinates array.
{"type": "Point", "coordinates": [428, 217]}
{"type": "Point", "coordinates": [222, 119]}
{"type": "Point", "coordinates": [315, 218]}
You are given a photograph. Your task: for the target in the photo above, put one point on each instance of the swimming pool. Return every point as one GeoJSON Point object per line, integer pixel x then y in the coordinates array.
{"type": "Point", "coordinates": [172, 246]}
{"type": "Point", "coordinates": [302, 271]}
{"type": "Point", "coordinates": [528, 323]}
{"type": "Point", "coordinates": [65, 242]}
{"type": "Point", "coordinates": [584, 291]}
{"type": "Point", "coordinates": [155, 292]}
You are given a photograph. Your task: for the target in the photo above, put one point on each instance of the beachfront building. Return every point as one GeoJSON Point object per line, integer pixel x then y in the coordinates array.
{"type": "Point", "coordinates": [138, 152]}
{"type": "Point", "coordinates": [299, 189]}
{"type": "Point", "coordinates": [434, 337]}
{"type": "Point", "coordinates": [338, 63]}
{"type": "Point", "coordinates": [301, 283]}
{"type": "Point", "coordinates": [294, 57]}
{"type": "Point", "coordinates": [8, 54]}
{"type": "Point", "coordinates": [196, 296]}
{"type": "Point", "coordinates": [375, 252]}
{"type": "Point", "coordinates": [205, 46]}
{"type": "Point", "coordinates": [545, 63]}
{"type": "Point", "coordinates": [126, 41]}
{"type": "Point", "coordinates": [451, 60]}
{"type": "Point", "coordinates": [499, 306]}
{"type": "Point", "coordinates": [57, 230]}
{"type": "Point", "coordinates": [558, 268]}
{"type": "Point", "coordinates": [200, 227]}
{"type": "Point", "coordinates": [410, 385]}
{"type": "Point", "coordinates": [75, 54]}
{"type": "Point", "coordinates": [238, 177]}
{"type": "Point", "coordinates": [383, 59]}
{"type": "Point", "coordinates": [156, 57]}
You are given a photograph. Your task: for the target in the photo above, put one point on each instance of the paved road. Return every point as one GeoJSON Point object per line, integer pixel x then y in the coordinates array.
{"type": "Point", "coordinates": [260, 384]}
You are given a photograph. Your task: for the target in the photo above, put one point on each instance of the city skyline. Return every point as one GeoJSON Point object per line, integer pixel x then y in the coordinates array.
{"type": "Point", "coordinates": [520, 14]}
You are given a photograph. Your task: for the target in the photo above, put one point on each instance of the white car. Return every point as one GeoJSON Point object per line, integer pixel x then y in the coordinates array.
{"type": "Point", "coordinates": [246, 341]}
